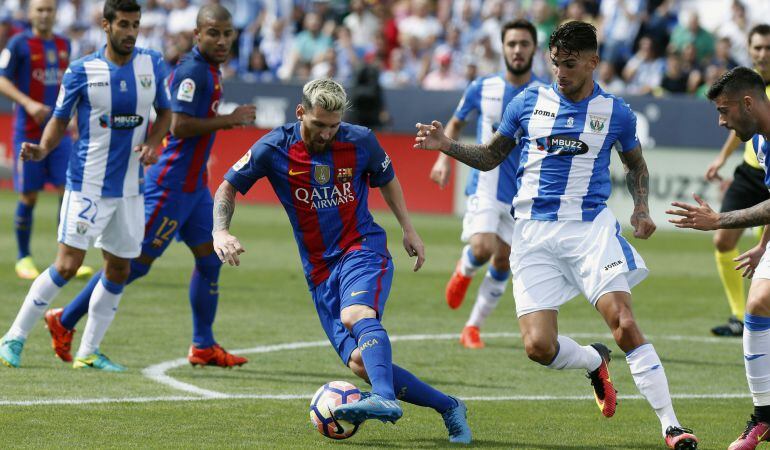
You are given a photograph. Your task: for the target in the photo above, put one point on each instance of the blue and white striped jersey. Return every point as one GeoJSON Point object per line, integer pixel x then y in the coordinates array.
{"type": "Point", "coordinates": [761, 147]}
{"type": "Point", "coordinates": [488, 96]}
{"type": "Point", "coordinates": [564, 172]}
{"type": "Point", "coordinates": [113, 106]}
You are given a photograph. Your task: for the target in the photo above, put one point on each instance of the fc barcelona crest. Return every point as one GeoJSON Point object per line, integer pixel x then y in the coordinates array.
{"type": "Point", "coordinates": [597, 123]}
{"type": "Point", "coordinates": [344, 174]}
{"type": "Point", "coordinates": [322, 174]}
{"type": "Point", "coordinates": [51, 56]}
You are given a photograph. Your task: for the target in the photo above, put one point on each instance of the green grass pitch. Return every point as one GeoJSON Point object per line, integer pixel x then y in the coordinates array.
{"type": "Point", "coordinates": [513, 402]}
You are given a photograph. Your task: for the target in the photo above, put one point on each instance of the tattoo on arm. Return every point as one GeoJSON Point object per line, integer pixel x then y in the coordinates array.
{"type": "Point", "coordinates": [757, 215]}
{"type": "Point", "coordinates": [637, 177]}
{"type": "Point", "coordinates": [483, 156]}
{"type": "Point", "coordinates": [224, 206]}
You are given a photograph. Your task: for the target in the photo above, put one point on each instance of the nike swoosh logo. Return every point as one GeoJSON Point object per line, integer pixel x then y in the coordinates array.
{"type": "Point", "coordinates": [39, 302]}
{"type": "Point", "coordinates": [753, 357]}
{"type": "Point", "coordinates": [354, 293]}
{"type": "Point", "coordinates": [292, 173]}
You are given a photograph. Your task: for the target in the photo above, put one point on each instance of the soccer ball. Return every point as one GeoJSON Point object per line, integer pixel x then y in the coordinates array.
{"type": "Point", "coordinates": [325, 399]}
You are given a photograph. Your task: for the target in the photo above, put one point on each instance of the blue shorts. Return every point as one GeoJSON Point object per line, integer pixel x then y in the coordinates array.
{"type": "Point", "coordinates": [361, 277]}
{"type": "Point", "coordinates": [31, 176]}
{"type": "Point", "coordinates": [167, 212]}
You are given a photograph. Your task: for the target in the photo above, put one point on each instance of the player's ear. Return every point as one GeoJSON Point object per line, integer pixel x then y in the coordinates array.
{"type": "Point", "coordinates": [594, 61]}
{"type": "Point", "coordinates": [300, 111]}
{"type": "Point", "coordinates": [106, 25]}
{"type": "Point", "coordinates": [748, 102]}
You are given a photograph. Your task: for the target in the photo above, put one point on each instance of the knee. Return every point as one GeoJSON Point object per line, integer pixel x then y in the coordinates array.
{"type": "Point", "coordinates": [757, 305]}
{"type": "Point", "coordinates": [352, 314]}
{"type": "Point", "coordinates": [117, 273]}
{"type": "Point", "coordinates": [29, 198]}
{"type": "Point", "coordinates": [627, 334]}
{"type": "Point", "coordinates": [540, 350]}
{"type": "Point", "coordinates": [482, 251]}
{"type": "Point", "coordinates": [501, 263]}
{"type": "Point", "coordinates": [723, 243]}
{"type": "Point", "coordinates": [67, 269]}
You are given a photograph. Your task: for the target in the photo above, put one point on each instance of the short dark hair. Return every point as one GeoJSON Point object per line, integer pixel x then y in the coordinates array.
{"type": "Point", "coordinates": [739, 79]}
{"type": "Point", "coordinates": [217, 13]}
{"type": "Point", "coordinates": [574, 37]}
{"type": "Point", "coordinates": [762, 29]}
{"type": "Point", "coordinates": [519, 24]}
{"type": "Point", "coordinates": [111, 8]}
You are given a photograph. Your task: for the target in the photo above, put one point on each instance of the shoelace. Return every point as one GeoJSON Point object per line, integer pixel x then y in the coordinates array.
{"type": "Point", "coordinates": [676, 431]}
{"type": "Point", "coordinates": [15, 345]}
{"type": "Point", "coordinates": [749, 426]}
{"type": "Point", "coordinates": [452, 422]}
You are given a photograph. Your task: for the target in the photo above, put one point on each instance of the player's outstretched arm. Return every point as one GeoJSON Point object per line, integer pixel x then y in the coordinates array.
{"type": "Point", "coordinates": [480, 156]}
{"type": "Point", "coordinates": [226, 246]}
{"type": "Point", "coordinates": [442, 168]}
{"type": "Point", "coordinates": [52, 135]}
{"type": "Point", "coordinates": [184, 125]}
{"type": "Point", "coordinates": [638, 182]}
{"type": "Point", "coordinates": [712, 171]}
{"type": "Point", "coordinates": [394, 197]}
{"type": "Point", "coordinates": [749, 260]}
{"type": "Point", "coordinates": [702, 217]}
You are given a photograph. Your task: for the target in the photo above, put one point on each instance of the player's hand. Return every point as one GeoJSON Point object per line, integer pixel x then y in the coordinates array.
{"type": "Point", "coordinates": [38, 111]}
{"type": "Point", "coordinates": [430, 137]}
{"type": "Point", "coordinates": [712, 172]}
{"type": "Point", "coordinates": [31, 152]}
{"type": "Point", "coordinates": [243, 115]}
{"type": "Point", "coordinates": [700, 217]}
{"type": "Point", "coordinates": [414, 247]}
{"type": "Point", "coordinates": [749, 261]}
{"type": "Point", "coordinates": [441, 170]}
{"type": "Point", "coordinates": [227, 248]}
{"type": "Point", "coordinates": [643, 224]}
{"type": "Point", "coordinates": [147, 154]}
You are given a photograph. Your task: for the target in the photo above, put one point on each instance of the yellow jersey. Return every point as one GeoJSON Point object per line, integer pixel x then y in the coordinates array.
{"type": "Point", "coordinates": [749, 155]}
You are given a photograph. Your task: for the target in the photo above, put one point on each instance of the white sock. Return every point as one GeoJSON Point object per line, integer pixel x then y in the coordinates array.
{"type": "Point", "coordinates": [572, 355]}
{"type": "Point", "coordinates": [650, 379]}
{"type": "Point", "coordinates": [468, 264]}
{"type": "Point", "coordinates": [490, 291]}
{"type": "Point", "coordinates": [45, 287]}
{"type": "Point", "coordinates": [756, 343]}
{"type": "Point", "coordinates": [101, 311]}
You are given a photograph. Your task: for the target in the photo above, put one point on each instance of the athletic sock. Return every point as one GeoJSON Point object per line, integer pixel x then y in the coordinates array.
{"type": "Point", "coordinates": [490, 291]}
{"type": "Point", "coordinates": [650, 379]}
{"type": "Point", "coordinates": [731, 281]}
{"type": "Point", "coordinates": [375, 349]}
{"type": "Point", "coordinates": [571, 355]}
{"type": "Point", "coordinates": [412, 390]}
{"type": "Point", "coordinates": [101, 311]}
{"type": "Point", "coordinates": [468, 263]}
{"type": "Point", "coordinates": [45, 287]}
{"type": "Point", "coordinates": [78, 307]}
{"type": "Point", "coordinates": [204, 296]}
{"type": "Point", "coordinates": [23, 228]}
{"type": "Point", "coordinates": [756, 342]}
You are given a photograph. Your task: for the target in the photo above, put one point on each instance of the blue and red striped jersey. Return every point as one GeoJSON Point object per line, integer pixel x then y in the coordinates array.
{"type": "Point", "coordinates": [196, 88]}
{"type": "Point", "coordinates": [36, 67]}
{"type": "Point", "coordinates": [324, 194]}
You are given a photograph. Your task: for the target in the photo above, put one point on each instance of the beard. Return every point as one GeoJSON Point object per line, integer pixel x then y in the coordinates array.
{"type": "Point", "coordinates": [118, 48]}
{"type": "Point", "coordinates": [522, 70]}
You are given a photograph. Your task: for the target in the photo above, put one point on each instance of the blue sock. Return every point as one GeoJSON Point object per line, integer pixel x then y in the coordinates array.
{"type": "Point", "coordinates": [204, 297]}
{"type": "Point", "coordinates": [412, 390]}
{"type": "Point", "coordinates": [78, 307]}
{"type": "Point", "coordinates": [374, 344]}
{"type": "Point", "coordinates": [23, 228]}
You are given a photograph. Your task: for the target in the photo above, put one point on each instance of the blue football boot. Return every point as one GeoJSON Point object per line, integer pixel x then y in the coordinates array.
{"type": "Point", "coordinates": [371, 406]}
{"type": "Point", "coordinates": [10, 351]}
{"type": "Point", "coordinates": [456, 421]}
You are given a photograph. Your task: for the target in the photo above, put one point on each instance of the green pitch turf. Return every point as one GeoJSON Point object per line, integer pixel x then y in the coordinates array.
{"type": "Point", "coordinates": [513, 402]}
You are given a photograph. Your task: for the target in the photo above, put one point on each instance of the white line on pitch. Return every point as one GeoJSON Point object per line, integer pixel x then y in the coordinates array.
{"type": "Point", "coordinates": [178, 398]}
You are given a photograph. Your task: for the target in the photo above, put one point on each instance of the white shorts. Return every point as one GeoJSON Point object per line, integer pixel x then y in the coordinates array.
{"type": "Point", "coordinates": [485, 215]}
{"type": "Point", "coordinates": [763, 267]}
{"type": "Point", "coordinates": [554, 261]}
{"type": "Point", "coordinates": [115, 224]}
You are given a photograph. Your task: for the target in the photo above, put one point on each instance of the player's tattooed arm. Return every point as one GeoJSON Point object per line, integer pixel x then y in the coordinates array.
{"type": "Point", "coordinates": [482, 156]}
{"type": "Point", "coordinates": [637, 177]}
{"type": "Point", "coordinates": [638, 182]}
{"type": "Point", "coordinates": [224, 206]}
{"type": "Point", "coordinates": [757, 215]}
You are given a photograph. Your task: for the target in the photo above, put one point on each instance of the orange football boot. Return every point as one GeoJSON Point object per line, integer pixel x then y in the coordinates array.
{"type": "Point", "coordinates": [61, 338]}
{"type": "Point", "coordinates": [604, 391]}
{"type": "Point", "coordinates": [457, 287]}
{"type": "Point", "coordinates": [214, 356]}
{"type": "Point", "coordinates": [470, 338]}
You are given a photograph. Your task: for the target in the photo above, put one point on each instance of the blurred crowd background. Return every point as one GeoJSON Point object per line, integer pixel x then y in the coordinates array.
{"type": "Point", "coordinates": [648, 47]}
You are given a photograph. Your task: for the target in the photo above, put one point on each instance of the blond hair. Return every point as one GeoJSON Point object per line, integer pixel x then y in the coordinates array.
{"type": "Point", "coordinates": [325, 93]}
